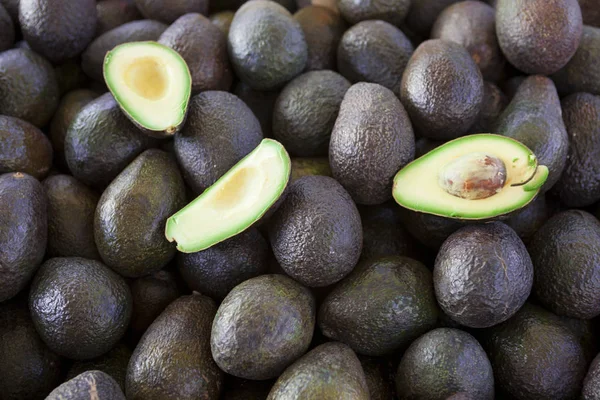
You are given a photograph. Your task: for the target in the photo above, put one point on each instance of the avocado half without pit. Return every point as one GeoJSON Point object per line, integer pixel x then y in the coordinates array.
{"type": "Point", "coordinates": [152, 85]}
{"type": "Point", "coordinates": [233, 203]}
{"type": "Point", "coordinates": [474, 177]}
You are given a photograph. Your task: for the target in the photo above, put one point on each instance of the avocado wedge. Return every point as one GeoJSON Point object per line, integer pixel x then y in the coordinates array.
{"type": "Point", "coordinates": [152, 84]}
{"type": "Point", "coordinates": [471, 178]}
{"type": "Point", "coordinates": [234, 202]}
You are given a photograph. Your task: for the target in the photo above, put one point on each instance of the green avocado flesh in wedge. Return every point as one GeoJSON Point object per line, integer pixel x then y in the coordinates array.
{"type": "Point", "coordinates": [234, 202]}
{"type": "Point", "coordinates": [151, 83]}
{"type": "Point", "coordinates": [474, 177]}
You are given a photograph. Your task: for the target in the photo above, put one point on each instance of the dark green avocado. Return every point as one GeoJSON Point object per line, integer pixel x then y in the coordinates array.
{"type": "Point", "coordinates": [168, 11]}
{"type": "Point", "coordinates": [303, 166]}
{"type": "Point", "coordinates": [79, 307]}
{"type": "Point", "coordinates": [591, 384]}
{"type": "Point", "coordinates": [90, 385]}
{"type": "Point", "coordinates": [494, 103]}
{"type": "Point", "coordinates": [7, 35]}
{"type": "Point", "coordinates": [260, 102]}
{"type": "Point", "coordinates": [429, 229]}
{"type": "Point", "coordinates": [442, 362]}
{"type": "Point", "coordinates": [393, 12]}
{"type": "Point", "coordinates": [113, 363]}
{"type": "Point", "coordinates": [114, 13]}
{"type": "Point", "coordinates": [23, 231]}
{"type": "Point", "coordinates": [173, 359]}
{"type": "Point", "coordinates": [222, 20]}
{"type": "Point", "coordinates": [371, 140]}
{"type": "Point", "coordinates": [530, 218]}
{"type": "Point", "coordinates": [423, 14]}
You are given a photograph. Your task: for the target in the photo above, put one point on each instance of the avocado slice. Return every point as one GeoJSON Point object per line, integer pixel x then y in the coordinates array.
{"type": "Point", "coordinates": [471, 178]}
{"type": "Point", "coordinates": [233, 203]}
{"type": "Point", "coordinates": [152, 84]}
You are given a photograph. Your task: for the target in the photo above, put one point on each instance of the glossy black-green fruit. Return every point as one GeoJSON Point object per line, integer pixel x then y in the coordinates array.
{"type": "Point", "coordinates": [88, 385]}
{"type": "Point", "coordinates": [591, 383]}
{"type": "Point", "coordinates": [7, 36]}
{"type": "Point", "coordinates": [168, 11]}
{"type": "Point", "coordinates": [113, 363]}
{"type": "Point", "coordinates": [582, 72]}
{"type": "Point", "coordinates": [260, 102]}
{"type": "Point", "coordinates": [114, 13]}
{"type": "Point", "coordinates": [393, 12]}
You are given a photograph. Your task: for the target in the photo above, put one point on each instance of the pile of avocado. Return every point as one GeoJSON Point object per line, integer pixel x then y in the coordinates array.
{"type": "Point", "coordinates": [299, 199]}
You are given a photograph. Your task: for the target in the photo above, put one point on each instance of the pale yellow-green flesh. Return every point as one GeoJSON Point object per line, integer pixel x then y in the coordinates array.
{"type": "Point", "coordinates": [237, 200]}
{"type": "Point", "coordinates": [151, 82]}
{"type": "Point", "coordinates": [416, 185]}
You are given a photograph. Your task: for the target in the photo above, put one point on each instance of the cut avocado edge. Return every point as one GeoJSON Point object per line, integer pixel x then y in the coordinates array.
{"type": "Point", "coordinates": [151, 83]}
{"type": "Point", "coordinates": [241, 197]}
{"type": "Point", "coordinates": [416, 185]}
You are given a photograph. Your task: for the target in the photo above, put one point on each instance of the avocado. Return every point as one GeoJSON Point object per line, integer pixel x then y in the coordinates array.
{"type": "Point", "coordinates": [129, 220]}
{"type": "Point", "coordinates": [71, 207]}
{"type": "Point", "coordinates": [222, 20]}
{"type": "Point", "coordinates": [328, 372]}
{"type": "Point", "coordinates": [306, 110]}
{"type": "Point", "coordinates": [374, 51]}
{"type": "Point", "coordinates": [28, 369]}
{"type": "Point", "coordinates": [371, 140]}
{"type": "Point", "coordinates": [323, 29]}
{"type": "Point", "coordinates": [442, 362]}
{"type": "Point", "coordinates": [591, 383]}
{"type": "Point", "coordinates": [511, 85]}
{"type": "Point", "coordinates": [24, 148]}
{"type": "Point", "coordinates": [356, 11]}
{"type": "Point", "coordinates": [58, 29]}
{"type": "Point", "coordinates": [7, 36]}
{"type": "Point", "coordinates": [472, 24]}
{"type": "Point", "coordinates": [101, 141]}
{"type": "Point", "coordinates": [266, 45]}
{"type": "Point", "coordinates": [92, 59]}
{"type": "Point", "coordinates": [538, 36]}
{"type": "Point", "coordinates": [260, 102]}
{"type": "Point", "coordinates": [381, 307]}
{"type": "Point", "coordinates": [173, 359]}
{"type": "Point", "coordinates": [579, 184]}
{"type": "Point", "coordinates": [429, 229]}
{"type": "Point", "coordinates": [168, 11]}
{"type": "Point", "coordinates": [113, 363]}
{"type": "Point", "coordinates": [67, 110]}
{"type": "Point", "coordinates": [219, 132]}
{"type": "Point", "coordinates": [263, 325]}
{"type": "Point", "coordinates": [88, 385]}
{"type": "Point", "coordinates": [530, 218]}
{"type": "Point", "coordinates": [79, 307]}
{"type": "Point", "coordinates": [28, 86]}
{"type": "Point", "coordinates": [70, 76]}
{"type": "Point", "coordinates": [586, 332]}
{"type": "Point", "coordinates": [473, 260]}
{"type": "Point", "coordinates": [114, 13]}
{"type": "Point", "coordinates": [204, 48]}
{"type": "Point", "coordinates": [217, 270]}
{"type": "Point", "coordinates": [590, 12]}
{"type": "Point", "coordinates": [23, 232]}
{"type": "Point", "coordinates": [244, 389]}
{"type": "Point", "coordinates": [535, 356]}
{"type": "Point", "coordinates": [423, 14]}
{"type": "Point", "coordinates": [494, 103]}
{"type": "Point", "coordinates": [443, 105]}
{"type": "Point", "coordinates": [12, 8]}
{"type": "Point", "coordinates": [303, 166]}
{"type": "Point", "coordinates": [378, 374]}
{"type": "Point", "coordinates": [533, 117]}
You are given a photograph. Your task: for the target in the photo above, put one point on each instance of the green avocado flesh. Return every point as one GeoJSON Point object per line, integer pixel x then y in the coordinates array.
{"type": "Point", "coordinates": [234, 202]}
{"type": "Point", "coordinates": [151, 83]}
{"type": "Point", "coordinates": [474, 177]}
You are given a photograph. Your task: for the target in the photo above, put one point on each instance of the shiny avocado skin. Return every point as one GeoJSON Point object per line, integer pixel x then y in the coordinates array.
{"type": "Point", "coordinates": [88, 385]}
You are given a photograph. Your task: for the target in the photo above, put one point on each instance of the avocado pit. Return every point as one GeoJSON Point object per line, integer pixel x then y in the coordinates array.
{"type": "Point", "coordinates": [473, 176]}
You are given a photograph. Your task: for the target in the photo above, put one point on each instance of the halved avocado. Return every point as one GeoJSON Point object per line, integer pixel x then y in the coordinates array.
{"type": "Point", "coordinates": [474, 177]}
{"type": "Point", "coordinates": [234, 202]}
{"type": "Point", "coordinates": [152, 84]}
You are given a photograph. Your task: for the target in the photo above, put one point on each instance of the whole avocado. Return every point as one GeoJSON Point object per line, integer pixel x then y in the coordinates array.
{"type": "Point", "coordinates": [393, 12]}
{"type": "Point", "coordinates": [88, 385]}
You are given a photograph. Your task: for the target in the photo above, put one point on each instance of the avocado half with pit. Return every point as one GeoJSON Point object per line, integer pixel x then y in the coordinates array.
{"type": "Point", "coordinates": [152, 85]}
{"type": "Point", "coordinates": [472, 178]}
{"type": "Point", "coordinates": [241, 197]}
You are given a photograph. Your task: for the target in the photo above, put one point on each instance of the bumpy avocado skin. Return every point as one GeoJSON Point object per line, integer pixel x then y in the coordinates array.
{"type": "Point", "coordinates": [88, 385]}
{"type": "Point", "coordinates": [263, 325]}
{"type": "Point", "coordinates": [114, 13]}
{"type": "Point", "coordinates": [23, 231]}
{"type": "Point", "coordinates": [591, 383]}
{"type": "Point", "coordinates": [442, 362]}
{"type": "Point", "coordinates": [260, 102]}
{"type": "Point", "coordinates": [533, 117]}
{"type": "Point", "coordinates": [173, 359]}
{"type": "Point", "coordinates": [266, 45]}
{"type": "Point", "coordinates": [494, 103]}
{"type": "Point", "coordinates": [95, 307]}
{"type": "Point", "coordinates": [582, 72]}
{"type": "Point", "coordinates": [530, 218]}
{"type": "Point", "coordinates": [113, 363]}
{"type": "Point", "coordinates": [328, 372]}
{"type": "Point", "coordinates": [381, 307]}
{"type": "Point", "coordinates": [220, 131]}
{"type": "Point", "coordinates": [7, 36]}
{"type": "Point", "coordinates": [168, 11]}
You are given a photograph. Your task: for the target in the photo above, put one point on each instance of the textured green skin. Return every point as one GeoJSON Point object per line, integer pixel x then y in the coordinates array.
{"type": "Point", "coordinates": [538, 36]}
{"type": "Point", "coordinates": [530, 218]}
{"type": "Point", "coordinates": [113, 363]}
{"type": "Point", "coordinates": [168, 11]}
{"type": "Point", "coordinates": [261, 103]}
{"type": "Point", "coordinates": [591, 384]}
{"type": "Point", "coordinates": [590, 12]}
{"type": "Point", "coordinates": [23, 231]}
{"type": "Point", "coordinates": [582, 72]}
{"type": "Point", "coordinates": [266, 45]}
{"type": "Point", "coordinates": [132, 212]}
{"type": "Point", "coordinates": [378, 373]}
{"type": "Point", "coordinates": [29, 87]}
{"type": "Point", "coordinates": [566, 257]}
{"type": "Point", "coordinates": [330, 371]}
{"type": "Point", "coordinates": [173, 360]}
{"type": "Point", "coordinates": [323, 29]}
{"type": "Point", "coordinates": [7, 36]}
{"type": "Point", "coordinates": [101, 141]}
{"type": "Point", "coordinates": [28, 369]}
{"type": "Point", "coordinates": [204, 48]}
{"type": "Point", "coordinates": [23, 148]}
{"type": "Point", "coordinates": [371, 140]}
{"type": "Point", "coordinates": [89, 385]}
{"type": "Point", "coordinates": [374, 51]}
{"type": "Point", "coordinates": [381, 307]}
{"type": "Point", "coordinates": [533, 117]}
{"type": "Point", "coordinates": [79, 307]}
{"type": "Point", "coordinates": [263, 325]}
{"type": "Point", "coordinates": [428, 229]}
{"type": "Point", "coordinates": [494, 103]}
{"type": "Point", "coordinates": [535, 357]}
{"type": "Point", "coordinates": [303, 166]}
{"type": "Point", "coordinates": [393, 12]}
{"type": "Point", "coordinates": [306, 110]}
{"type": "Point", "coordinates": [423, 14]}
{"type": "Point", "coordinates": [442, 362]}
{"type": "Point", "coordinates": [482, 275]}
{"type": "Point", "coordinates": [222, 20]}
{"type": "Point", "coordinates": [114, 13]}
{"type": "Point", "coordinates": [71, 207]}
